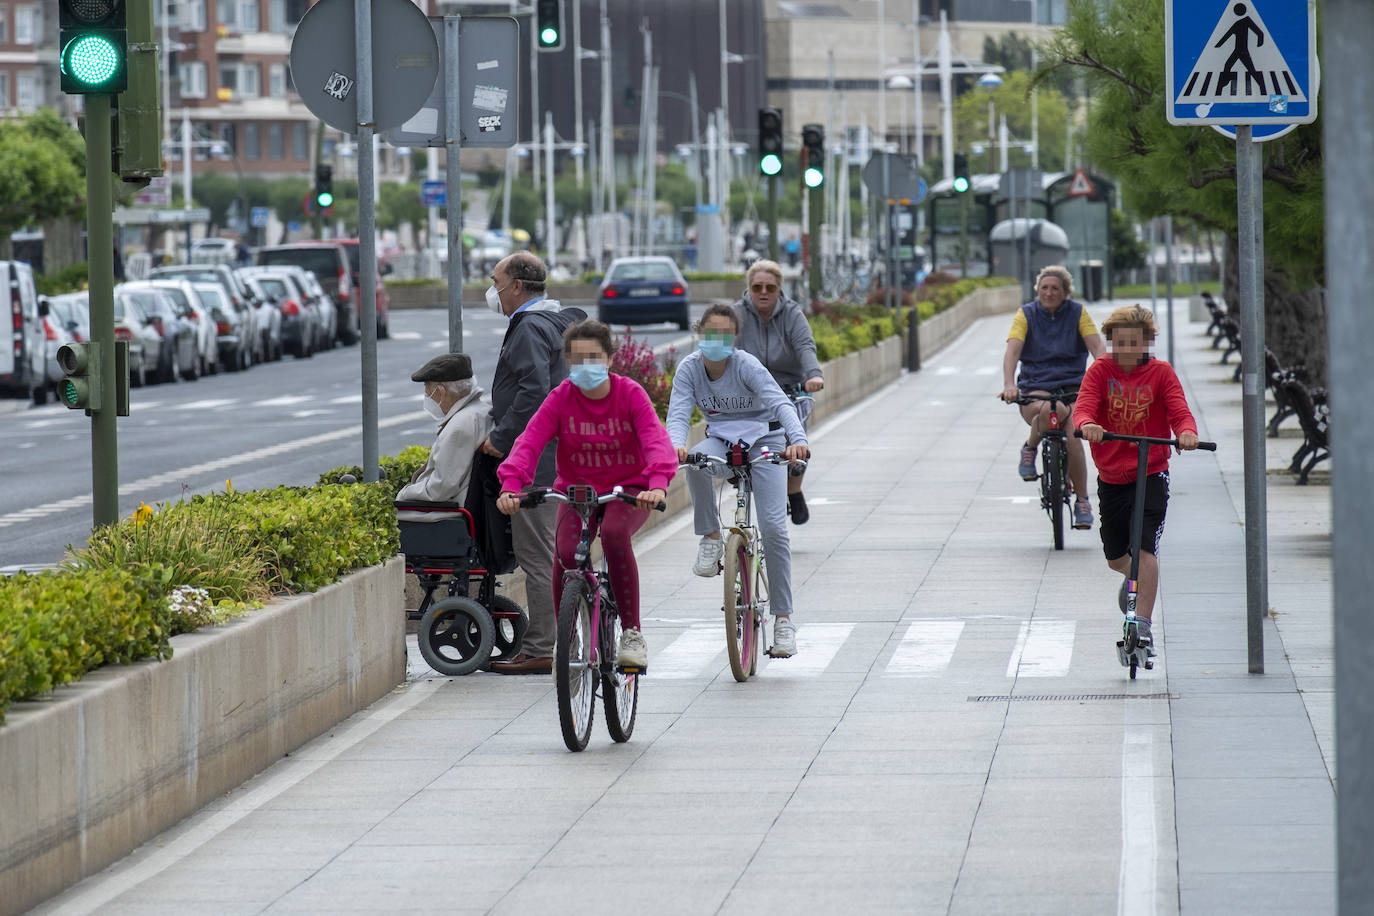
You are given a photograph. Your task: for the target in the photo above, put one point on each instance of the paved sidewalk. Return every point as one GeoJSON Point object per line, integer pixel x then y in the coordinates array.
{"type": "Point", "coordinates": [955, 735]}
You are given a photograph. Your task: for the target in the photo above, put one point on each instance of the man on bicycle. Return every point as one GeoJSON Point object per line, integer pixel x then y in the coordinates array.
{"type": "Point", "coordinates": [773, 328]}
{"type": "Point", "coordinates": [1051, 336]}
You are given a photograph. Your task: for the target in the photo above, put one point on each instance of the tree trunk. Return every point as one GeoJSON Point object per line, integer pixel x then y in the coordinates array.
{"type": "Point", "coordinates": [62, 245]}
{"type": "Point", "coordinates": [1294, 320]}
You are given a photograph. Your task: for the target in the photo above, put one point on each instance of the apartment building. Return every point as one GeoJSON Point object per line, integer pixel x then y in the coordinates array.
{"type": "Point", "coordinates": [28, 56]}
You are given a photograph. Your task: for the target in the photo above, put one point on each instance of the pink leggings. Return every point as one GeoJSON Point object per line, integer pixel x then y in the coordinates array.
{"type": "Point", "coordinates": [618, 525]}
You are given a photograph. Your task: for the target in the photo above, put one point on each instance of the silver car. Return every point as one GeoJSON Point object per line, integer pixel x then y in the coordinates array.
{"type": "Point", "coordinates": [57, 331]}
{"type": "Point", "coordinates": [132, 324]}
{"type": "Point", "coordinates": [234, 345]}
{"type": "Point", "coordinates": [190, 306]}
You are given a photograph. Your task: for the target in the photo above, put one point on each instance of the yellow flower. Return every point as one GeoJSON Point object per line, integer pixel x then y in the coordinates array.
{"type": "Point", "coordinates": [229, 486]}
{"type": "Point", "coordinates": [142, 514]}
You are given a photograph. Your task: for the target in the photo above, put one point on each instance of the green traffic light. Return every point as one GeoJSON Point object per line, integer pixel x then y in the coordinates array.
{"type": "Point", "coordinates": [770, 164]}
{"type": "Point", "coordinates": [548, 37]}
{"type": "Point", "coordinates": [960, 184]}
{"type": "Point", "coordinates": [91, 60]}
{"type": "Point", "coordinates": [324, 199]}
{"type": "Point", "coordinates": [70, 393]}
{"type": "Point", "coordinates": [813, 177]}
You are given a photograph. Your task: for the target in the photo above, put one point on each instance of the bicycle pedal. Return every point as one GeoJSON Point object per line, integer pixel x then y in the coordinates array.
{"type": "Point", "coordinates": [627, 669]}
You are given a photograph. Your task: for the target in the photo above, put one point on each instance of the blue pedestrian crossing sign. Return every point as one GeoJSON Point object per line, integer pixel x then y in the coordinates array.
{"type": "Point", "coordinates": [1241, 61]}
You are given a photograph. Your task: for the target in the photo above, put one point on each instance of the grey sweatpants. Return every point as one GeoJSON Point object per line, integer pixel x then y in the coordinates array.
{"type": "Point", "coordinates": [770, 511]}
{"type": "Point", "coordinates": [532, 536]}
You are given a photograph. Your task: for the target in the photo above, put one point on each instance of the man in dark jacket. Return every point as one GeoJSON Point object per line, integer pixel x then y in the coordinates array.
{"type": "Point", "coordinates": [530, 366]}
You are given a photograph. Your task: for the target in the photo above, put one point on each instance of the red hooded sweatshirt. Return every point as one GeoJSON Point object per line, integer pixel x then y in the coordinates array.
{"type": "Point", "coordinates": [1147, 401]}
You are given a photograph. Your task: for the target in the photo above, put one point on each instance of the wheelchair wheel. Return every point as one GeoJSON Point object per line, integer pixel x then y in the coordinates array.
{"type": "Point", "coordinates": [456, 636]}
{"type": "Point", "coordinates": [511, 621]}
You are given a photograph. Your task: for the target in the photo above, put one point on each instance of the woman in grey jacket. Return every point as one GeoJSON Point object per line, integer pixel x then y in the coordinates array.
{"type": "Point", "coordinates": [775, 331]}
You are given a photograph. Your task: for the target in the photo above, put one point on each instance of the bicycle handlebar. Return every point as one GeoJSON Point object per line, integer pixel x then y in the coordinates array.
{"type": "Point", "coordinates": [1063, 397]}
{"type": "Point", "coordinates": [1108, 437]}
{"type": "Point", "coordinates": [699, 460]}
{"type": "Point", "coordinates": [798, 392]}
{"type": "Point", "coordinates": [536, 495]}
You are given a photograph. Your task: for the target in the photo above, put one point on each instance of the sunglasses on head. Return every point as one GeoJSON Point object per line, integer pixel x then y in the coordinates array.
{"type": "Point", "coordinates": [764, 287]}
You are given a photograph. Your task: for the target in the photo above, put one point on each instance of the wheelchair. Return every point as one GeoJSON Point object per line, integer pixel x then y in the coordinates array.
{"type": "Point", "coordinates": [458, 634]}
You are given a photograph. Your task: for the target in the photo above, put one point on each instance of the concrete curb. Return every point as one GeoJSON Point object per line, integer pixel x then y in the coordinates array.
{"type": "Point", "coordinates": [107, 763]}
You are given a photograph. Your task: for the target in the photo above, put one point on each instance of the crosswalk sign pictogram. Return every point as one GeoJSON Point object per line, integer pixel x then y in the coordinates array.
{"type": "Point", "coordinates": [1081, 186]}
{"type": "Point", "coordinates": [1241, 61]}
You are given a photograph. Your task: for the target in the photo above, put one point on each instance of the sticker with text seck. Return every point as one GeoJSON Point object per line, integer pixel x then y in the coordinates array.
{"type": "Point", "coordinates": [1241, 61]}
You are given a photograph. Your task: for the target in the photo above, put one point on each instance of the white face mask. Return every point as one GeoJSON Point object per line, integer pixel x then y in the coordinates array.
{"type": "Point", "coordinates": [432, 407]}
{"type": "Point", "coordinates": [494, 300]}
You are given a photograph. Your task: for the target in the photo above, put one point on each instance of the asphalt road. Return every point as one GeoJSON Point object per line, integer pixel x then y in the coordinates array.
{"type": "Point", "coordinates": [279, 423]}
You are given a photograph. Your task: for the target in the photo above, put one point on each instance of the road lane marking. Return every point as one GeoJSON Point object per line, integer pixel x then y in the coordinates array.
{"type": "Point", "coordinates": [689, 654]}
{"type": "Point", "coordinates": [1138, 878]}
{"type": "Point", "coordinates": [817, 644]}
{"type": "Point", "coordinates": [926, 649]}
{"type": "Point", "coordinates": [218, 464]}
{"type": "Point", "coordinates": [285, 400]}
{"type": "Point", "coordinates": [1044, 648]}
{"type": "Point", "coordinates": [207, 404]}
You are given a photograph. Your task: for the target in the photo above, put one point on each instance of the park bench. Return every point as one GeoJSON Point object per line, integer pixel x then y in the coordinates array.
{"type": "Point", "coordinates": [1309, 407]}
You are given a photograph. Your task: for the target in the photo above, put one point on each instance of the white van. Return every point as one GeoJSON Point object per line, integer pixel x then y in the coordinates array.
{"type": "Point", "coordinates": [23, 360]}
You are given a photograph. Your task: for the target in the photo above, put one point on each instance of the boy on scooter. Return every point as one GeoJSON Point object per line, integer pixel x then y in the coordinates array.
{"type": "Point", "coordinates": [1132, 393]}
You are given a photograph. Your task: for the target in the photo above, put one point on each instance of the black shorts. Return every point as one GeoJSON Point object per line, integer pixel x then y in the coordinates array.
{"type": "Point", "coordinates": [1116, 501]}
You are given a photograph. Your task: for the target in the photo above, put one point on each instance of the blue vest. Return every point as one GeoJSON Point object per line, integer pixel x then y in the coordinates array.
{"type": "Point", "coordinates": [1054, 355]}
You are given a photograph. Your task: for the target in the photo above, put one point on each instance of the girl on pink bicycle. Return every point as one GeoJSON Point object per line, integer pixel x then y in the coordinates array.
{"type": "Point", "coordinates": [608, 435]}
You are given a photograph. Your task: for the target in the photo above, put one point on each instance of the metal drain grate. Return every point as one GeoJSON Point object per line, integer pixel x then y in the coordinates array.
{"type": "Point", "coordinates": [1068, 697]}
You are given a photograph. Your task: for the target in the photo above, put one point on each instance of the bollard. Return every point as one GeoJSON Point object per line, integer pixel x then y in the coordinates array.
{"type": "Point", "coordinates": [913, 340]}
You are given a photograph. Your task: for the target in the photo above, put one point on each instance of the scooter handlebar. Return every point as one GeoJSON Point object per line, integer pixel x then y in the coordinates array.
{"type": "Point", "coordinates": [1109, 437]}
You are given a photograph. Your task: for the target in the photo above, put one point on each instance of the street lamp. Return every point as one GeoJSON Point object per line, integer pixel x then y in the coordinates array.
{"type": "Point", "coordinates": [991, 81]}
{"type": "Point", "coordinates": [903, 83]}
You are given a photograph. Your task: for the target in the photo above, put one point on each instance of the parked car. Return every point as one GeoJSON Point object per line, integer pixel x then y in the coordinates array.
{"type": "Point", "coordinates": [177, 356]}
{"type": "Point", "coordinates": [189, 305]}
{"type": "Point", "coordinates": [301, 329]}
{"type": "Point", "coordinates": [23, 359]}
{"type": "Point", "coordinates": [267, 316]}
{"type": "Point", "coordinates": [329, 261]}
{"type": "Point", "coordinates": [329, 320]}
{"type": "Point", "coordinates": [56, 333]}
{"type": "Point", "coordinates": [644, 290]}
{"type": "Point", "coordinates": [354, 248]}
{"type": "Point", "coordinates": [73, 312]}
{"type": "Point", "coordinates": [214, 251]}
{"type": "Point", "coordinates": [145, 343]}
{"type": "Point", "coordinates": [230, 329]}
{"type": "Point", "coordinates": [239, 296]}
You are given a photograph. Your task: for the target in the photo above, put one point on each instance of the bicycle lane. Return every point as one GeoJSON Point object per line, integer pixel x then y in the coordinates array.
{"type": "Point", "coordinates": [888, 763]}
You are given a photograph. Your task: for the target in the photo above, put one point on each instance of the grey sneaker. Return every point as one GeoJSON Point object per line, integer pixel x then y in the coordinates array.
{"type": "Point", "coordinates": [1082, 513]}
{"type": "Point", "coordinates": [709, 552]}
{"type": "Point", "coordinates": [1143, 635]}
{"type": "Point", "coordinates": [634, 651]}
{"type": "Point", "coordinates": [1123, 595]}
{"type": "Point", "coordinates": [1027, 466]}
{"type": "Point", "coordinates": [784, 638]}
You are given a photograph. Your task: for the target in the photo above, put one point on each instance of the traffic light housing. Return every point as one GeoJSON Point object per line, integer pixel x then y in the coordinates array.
{"type": "Point", "coordinates": [961, 179]}
{"type": "Point", "coordinates": [80, 363]}
{"type": "Point", "coordinates": [813, 153]}
{"type": "Point", "coordinates": [324, 186]}
{"type": "Point", "coordinates": [548, 24]}
{"type": "Point", "coordinates": [770, 141]}
{"type": "Point", "coordinates": [93, 45]}
{"type": "Point", "coordinates": [137, 131]}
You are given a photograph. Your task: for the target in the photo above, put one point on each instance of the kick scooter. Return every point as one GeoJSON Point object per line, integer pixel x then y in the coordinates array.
{"type": "Point", "coordinates": [1129, 650]}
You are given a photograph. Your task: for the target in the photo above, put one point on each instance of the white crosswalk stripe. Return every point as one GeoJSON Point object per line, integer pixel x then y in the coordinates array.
{"type": "Point", "coordinates": [689, 655]}
{"type": "Point", "coordinates": [817, 644]}
{"type": "Point", "coordinates": [926, 649]}
{"type": "Point", "coordinates": [1044, 648]}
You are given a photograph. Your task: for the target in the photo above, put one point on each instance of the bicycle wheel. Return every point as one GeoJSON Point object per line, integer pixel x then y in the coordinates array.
{"type": "Point", "coordinates": [574, 676]}
{"type": "Point", "coordinates": [619, 692]}
{"type": "Point", "coordinates": [740, 632]}
{"type": "Point", "coordinates": [456, 636]}
{"type": "Point", "coordinates": [1054, 489]}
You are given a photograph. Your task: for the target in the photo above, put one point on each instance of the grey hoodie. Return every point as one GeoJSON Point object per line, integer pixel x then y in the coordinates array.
{"type": "Point", "coordinates": [783, 343]}
{"type": "Point", "coordinates": [530, 366]}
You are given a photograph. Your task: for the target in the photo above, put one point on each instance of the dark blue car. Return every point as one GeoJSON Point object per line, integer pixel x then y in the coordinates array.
{"type": "Point", "coordinates": [646, 290]}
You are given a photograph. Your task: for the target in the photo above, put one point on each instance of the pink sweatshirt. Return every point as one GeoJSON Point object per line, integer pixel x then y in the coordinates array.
{"type": "Point", "coordinates": [618, 440]}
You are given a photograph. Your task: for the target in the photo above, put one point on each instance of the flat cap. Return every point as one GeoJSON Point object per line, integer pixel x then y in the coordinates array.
{"type": "Point", "coordinates": [447, 367]}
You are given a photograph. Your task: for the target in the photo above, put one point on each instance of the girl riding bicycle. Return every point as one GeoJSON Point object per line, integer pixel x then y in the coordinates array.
{"type": "Point", "coordinates": [1132, 393]}
{"type": "Point", "coordinates": [741, 403]}
{"type": "Point", "coordinates": [608, 435]}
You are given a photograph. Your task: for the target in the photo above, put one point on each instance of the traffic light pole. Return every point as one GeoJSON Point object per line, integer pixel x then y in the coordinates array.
{"type": "Point", "coordinates": [100, 251]}
{"type": "Point", "coordinates": [774, 249]}
{"type": "Point", "coordinates": [814, 229]}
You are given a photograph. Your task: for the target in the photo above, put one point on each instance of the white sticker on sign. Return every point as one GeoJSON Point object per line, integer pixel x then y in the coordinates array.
{"type": "Point", "coordinates": [424, 121]}
{"type": "Point", "coordinates": [489, 98]}
{"type": "Point", "coordinates": [487, 64]}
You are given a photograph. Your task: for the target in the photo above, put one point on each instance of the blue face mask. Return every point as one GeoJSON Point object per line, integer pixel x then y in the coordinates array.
{"type": "Point", "coordinates": [716, 350]}
{"type": "Point", "coordinates": [588, 375]}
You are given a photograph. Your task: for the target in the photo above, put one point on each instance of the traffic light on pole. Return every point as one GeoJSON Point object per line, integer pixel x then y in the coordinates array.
{"type": "Point", "coordinates": [548, 24]}
{"type": "Point", "coordinates": [80, 363]}
{"type": "Point", "coordinates": [324, 186]}
{"type": "Point", "coordinates": [813, 147]}
{"type": "Point", "coordinates": [770, 141]}
{"type": "Point", "coordinates": [93, 45]}
{"type": "Point", "coordinates": [961, 182]}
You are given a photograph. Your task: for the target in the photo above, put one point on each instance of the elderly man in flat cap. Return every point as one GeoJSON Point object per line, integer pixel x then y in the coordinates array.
{"type": "Point", "coordinates": [454, 400]}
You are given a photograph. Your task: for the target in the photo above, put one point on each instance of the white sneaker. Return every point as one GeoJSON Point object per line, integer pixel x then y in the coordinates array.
{"type": "Point", "coordinates": [709, 552]}
{"type": "Point", "coordinates": [634, 651]}
{"type": "Point", "coordinates": [784, 638]}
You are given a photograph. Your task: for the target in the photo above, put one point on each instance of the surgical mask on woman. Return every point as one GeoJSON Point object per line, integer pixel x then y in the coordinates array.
{"type": "Point", "coordinates": [588, 376]}
{"type": "Point", "coordinates": [432, 408]}
{"type": "Point", "coordinates": [716, 349]}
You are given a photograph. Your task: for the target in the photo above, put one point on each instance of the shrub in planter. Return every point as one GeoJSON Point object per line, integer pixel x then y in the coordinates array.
{"type": "Point", "coordinates": [397, 470]}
